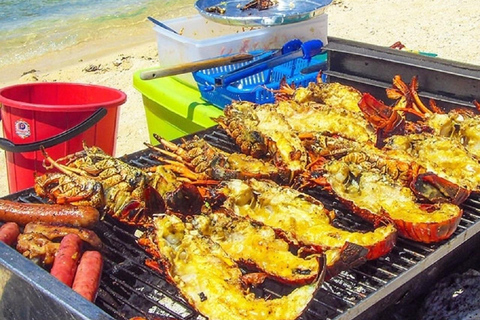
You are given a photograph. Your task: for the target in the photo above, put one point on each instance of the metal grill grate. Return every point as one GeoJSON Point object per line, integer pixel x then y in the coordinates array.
{"type": "Point", "coordinates": [129, 288]}
{"type": "Point", "coordinates": [128, 284]}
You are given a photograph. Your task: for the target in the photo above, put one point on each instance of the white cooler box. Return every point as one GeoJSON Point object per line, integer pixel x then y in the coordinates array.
{"type": "Point", "coordinates": [199, 38]}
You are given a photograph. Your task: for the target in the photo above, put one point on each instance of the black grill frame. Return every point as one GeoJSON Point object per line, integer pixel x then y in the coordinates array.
{"type": "Point", "coordinates": [360, 293]}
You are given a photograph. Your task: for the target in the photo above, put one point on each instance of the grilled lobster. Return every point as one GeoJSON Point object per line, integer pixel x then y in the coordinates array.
{"type": "Point", "coordinates": [299, 218]}
{"type": "Point", "coordinates": [129, 194]}
{"type": "Point", "coordinates": [209, 278]}
{"type": "Point", "coordinates": [461, 125]}
{"type": "Point", "coordinates": [196, 160]}
{"type": "Point", "coordinates": [375, 186]}
{"type": "Point", "coordinates": [332, 94]}
{"type": "Point", "coordinates": [265, 134]}
{"type": "Point", "coordinates": [409, 141]}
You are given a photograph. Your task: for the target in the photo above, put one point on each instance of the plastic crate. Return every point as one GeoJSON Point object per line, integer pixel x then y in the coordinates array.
{"type": "Point", "coordinates": [256, 87]}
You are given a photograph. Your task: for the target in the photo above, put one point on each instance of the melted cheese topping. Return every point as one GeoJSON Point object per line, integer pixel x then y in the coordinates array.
{"type": "Point", "coordinates": [374, 192]}
{"type": "Point", "coordinates": [257, 245]}
{"type": "Point", "coordinates": [332, 94]}
{"type": "Point", "coordinates": [463, 128]}
{"type": "Point", "coordinates": [323, 118]}
{"type": "Point", "coordinates": [339, 96]}
{"type": "Point", "coordinates": [440, 155]}
{"type": "Point", "coordinates": [247, 164]}
{"type": "Point", "coordinates": [211, 281]}
{"type": "Point", "coordinates": [302, 217]}
{"type": "Point", "coordinates": [288, 145]}
{"type": "Point", "coordinates": [470, 134]}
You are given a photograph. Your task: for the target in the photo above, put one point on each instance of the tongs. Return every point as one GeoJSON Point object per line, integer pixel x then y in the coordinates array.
{"type": "Point", "coordinates": [291, 50]}
{"type": "Point", "coordinates": [195, 66]}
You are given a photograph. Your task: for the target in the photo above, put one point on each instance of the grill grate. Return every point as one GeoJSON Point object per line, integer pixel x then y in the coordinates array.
{"type": "Point", "coordinates": [129, 288]}
{"type": "Point", "coordinates": [349, 289]}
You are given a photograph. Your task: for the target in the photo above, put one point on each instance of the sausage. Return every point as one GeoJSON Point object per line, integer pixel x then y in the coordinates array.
{"type": "Point", "coordinates": [9, 233]}
{"type": "Point", "coordinates": [23, 213]}
{"type": "Point", "coordinates": [66, 260]}
{"type": "Point", "coordinates": [54, 232]}
{"type": "Point", "coordinates": [89, 272]}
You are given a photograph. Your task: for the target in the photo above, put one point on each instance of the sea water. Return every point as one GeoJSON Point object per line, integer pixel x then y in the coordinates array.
{"type": "Point", "coordinates": [31, 28]}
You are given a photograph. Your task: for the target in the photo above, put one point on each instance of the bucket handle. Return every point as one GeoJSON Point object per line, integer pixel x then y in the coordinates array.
{"type": "Point", "coordinates": [8, 145]}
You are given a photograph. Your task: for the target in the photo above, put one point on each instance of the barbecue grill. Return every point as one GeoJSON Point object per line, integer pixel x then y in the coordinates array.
{"type": "Point", "coordinates": [128, 288]}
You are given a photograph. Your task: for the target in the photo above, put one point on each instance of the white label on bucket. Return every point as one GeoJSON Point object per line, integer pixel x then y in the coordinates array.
{"type": "Point", "coordinates": [22, 129]}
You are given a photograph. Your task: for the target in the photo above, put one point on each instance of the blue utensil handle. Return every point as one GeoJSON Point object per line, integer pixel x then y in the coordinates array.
{"type": "Point", "coordinates": [292, 45]}
{"type": "Point", "coordinates": [312, 48]}
{"type": "Point", "coordinates": [307, 50]}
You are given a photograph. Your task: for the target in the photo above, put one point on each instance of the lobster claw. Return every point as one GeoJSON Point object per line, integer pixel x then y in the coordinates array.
{"type": "Point", "coordinates": [384, 119]}
{"type": "Point", "coordinates": [154, 202]}
{"type": "Point", "coordinates": [433, 188]}
{"type": "Point", "coordinates": [186, 198]}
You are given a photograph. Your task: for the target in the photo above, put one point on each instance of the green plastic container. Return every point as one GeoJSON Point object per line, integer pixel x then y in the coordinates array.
{"type": "Point", "coordinates": [174, 109]}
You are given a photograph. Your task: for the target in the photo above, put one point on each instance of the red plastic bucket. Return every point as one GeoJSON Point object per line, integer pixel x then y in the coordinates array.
{"type": "Point", "coordinates": [58, 116]}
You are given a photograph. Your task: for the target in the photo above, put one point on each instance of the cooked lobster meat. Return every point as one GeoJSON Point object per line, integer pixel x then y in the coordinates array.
{"type": "Point", "coordinates": [321, 118]}
{"type": "Point", "coordinates": [407, 141]}
{"type": "Point", "coordinates": [462, 125]}
{"type": "Point", "coordinates": [263, 133]}
{"type": "Point", "coordinates": [440, 155]}
{"type": "Point", "coordinates": [211, 281]}
{"type": "Point", "coordinates": [375, 186]}
{"type": "Point", "coordinates": [333, 94]}
{"type": "Point", "coordinates": [424, 183]}
{"type": "Point", "coordinates": [257, 246]}
{"type": "Point", "coordinates": [299, 217]}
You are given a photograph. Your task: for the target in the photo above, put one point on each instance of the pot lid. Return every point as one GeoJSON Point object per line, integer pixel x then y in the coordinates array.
{"type": "Point", "coordinates": [247, 13]}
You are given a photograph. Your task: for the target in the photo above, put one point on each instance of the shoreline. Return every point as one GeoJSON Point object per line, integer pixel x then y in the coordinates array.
{"type": "Point", "coordinates": [84, 36]}
{"type": "Point", "coordinates": [68, 58]}
{"type": "Point", "coordinates": [451, 32]}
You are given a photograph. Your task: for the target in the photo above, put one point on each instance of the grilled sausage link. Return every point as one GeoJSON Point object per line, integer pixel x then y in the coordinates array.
{"type": "Point", "coordinates": [9, 233]}
{"type": "Point", "coordinates": [23, 213]}
{"type": "Point", "coordinates": [89, 272]}
{"type": "Point", "coordinates": [66, 260]}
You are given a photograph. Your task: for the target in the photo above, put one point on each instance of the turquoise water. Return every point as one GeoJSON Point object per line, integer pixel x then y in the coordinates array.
{"type": "Point", "coordinates": [29, 28]}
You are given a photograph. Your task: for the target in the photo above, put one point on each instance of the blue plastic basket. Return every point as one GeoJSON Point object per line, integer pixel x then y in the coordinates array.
{"type": "Point", "coordinates": [256, 87]}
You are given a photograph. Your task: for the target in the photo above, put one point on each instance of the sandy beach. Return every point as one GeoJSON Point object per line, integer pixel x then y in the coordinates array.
{"type": "Point", "coordinates": [441, 27]}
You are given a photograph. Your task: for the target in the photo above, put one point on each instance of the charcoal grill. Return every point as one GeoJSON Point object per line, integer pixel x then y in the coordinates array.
{"type": "Point", "coordinates": [129, 288]}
